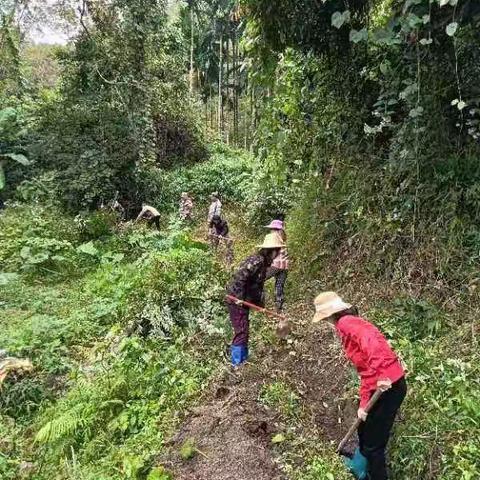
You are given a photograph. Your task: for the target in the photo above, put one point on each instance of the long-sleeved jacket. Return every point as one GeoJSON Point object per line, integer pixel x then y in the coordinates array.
{"type": "Point", "coordinates": [149, 211]}
{"type": "Point", "coordinates": [215, 209]}
{"type": "Point", "coordinates": [248, 280]}
{"type": "Point", "coordinates": [370, 352]}
{"type": "Point", "coordinates": [221, 228]}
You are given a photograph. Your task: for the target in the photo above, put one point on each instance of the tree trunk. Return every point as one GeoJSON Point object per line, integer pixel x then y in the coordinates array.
{"type": "Point", "coordinates": [191, 73]}
{"type": "Point", "coordinates": [227, 90]}
{"type": "Point", "coordinates": [236, 83]}
{"type": "Point", "coordinates": [252, 116]}
{"type": "Point", "coordinates": [220, 86]}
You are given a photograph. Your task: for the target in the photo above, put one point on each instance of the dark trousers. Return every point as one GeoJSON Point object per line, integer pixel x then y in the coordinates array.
{"type": "Point", "coordinates": [156, 221]}
{"type": "Point", "coordinates": [280, 279]}
{"type": "Point", "coordinates": [240, 323]}
{"type": "Point", "coordinates": [374, 433]}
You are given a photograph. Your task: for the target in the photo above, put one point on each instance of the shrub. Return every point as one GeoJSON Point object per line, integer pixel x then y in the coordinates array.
{"type": "Point", "coordinates": [36, 238]}
{"type": "Point", "coordinates": [228, 173]}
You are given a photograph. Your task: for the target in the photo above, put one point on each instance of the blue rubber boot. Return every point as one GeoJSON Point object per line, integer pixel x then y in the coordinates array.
{"type": "Point", "coordinates": [358, 465]}
{"type": "Point", "coordinates": [239, 353]}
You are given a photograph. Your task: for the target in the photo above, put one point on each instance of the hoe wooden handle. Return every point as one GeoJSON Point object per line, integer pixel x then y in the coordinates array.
{"type": "Point", "coordinates": [358, 421]}
{"type": "Point", "coordinates": [256, 307]}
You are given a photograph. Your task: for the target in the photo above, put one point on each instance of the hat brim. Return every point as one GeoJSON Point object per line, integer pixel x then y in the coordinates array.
{"type": "Point", "coordinates": [274, 227]}
{"type": "Point", "coordinates": [319, 316]}
{"type": "Point", "coordinates": [270, 247]}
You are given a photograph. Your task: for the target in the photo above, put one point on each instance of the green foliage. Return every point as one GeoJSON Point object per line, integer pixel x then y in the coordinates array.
{"type": "Point", "coordinates": [323, 466]}
{"type": "Point", "coordinates": [188, 449]}
{"type": "Point", "coordinates": [36, 239]}
{"type": "Point", "coordinates": [281, 398]}
{"type": "Point", "coordinates": [443, 401]}
{"type": "Point", "coordinates": [120, 107]}
{"type": "Point", "coordinates": [100, 398]}
{"type": "Point", "coordinates": [227, 172]}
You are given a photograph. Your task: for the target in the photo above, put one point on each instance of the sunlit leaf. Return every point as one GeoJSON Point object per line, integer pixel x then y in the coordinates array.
{"type": "Point", "coordinates": [358, 36]}
{"type": "Point", "coordinates": [338, 18]}
{"type": "Point", "coordinates": [451, 29]}
{"type": "Point", "coordinates": [278, 438]}
{"type": "Point", "coordinates": [2, 177]}
{"type": "Point", "coordinates": [6, 277]}
{"type": "Point", "coordinates": [17, 157]}
{"type": "Point", "coordinates": [88, 248]}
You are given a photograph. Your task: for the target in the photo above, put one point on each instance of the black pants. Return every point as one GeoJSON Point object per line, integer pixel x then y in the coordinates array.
{"type": "Point", "coordinates": [155, 220]}
{"type": "Point", "coordinates": [374, 433]}
{"type": "Point", "coordinates": [280, 279]}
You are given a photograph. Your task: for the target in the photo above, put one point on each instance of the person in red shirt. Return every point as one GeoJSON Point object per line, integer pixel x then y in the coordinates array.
{"type": "Point", "coordinates": [378, 367]}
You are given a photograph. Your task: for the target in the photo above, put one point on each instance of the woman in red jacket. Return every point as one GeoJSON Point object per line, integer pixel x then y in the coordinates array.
{"type": "Point", "coordinates": [377, 366]}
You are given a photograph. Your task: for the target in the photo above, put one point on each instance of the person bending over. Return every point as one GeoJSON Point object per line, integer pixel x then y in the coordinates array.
{"type": "Point", "coordinates": [219, 231]}
{"type": "Point", "coordinates": [378, 367]}
{"type": "Point", "coordinates": [151, 214]}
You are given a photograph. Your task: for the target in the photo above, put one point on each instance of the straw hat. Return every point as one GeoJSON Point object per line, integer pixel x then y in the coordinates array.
{"type": "Point", "coordinates": [275, 225]}
{"type": "Point", "coordinates": [326, 304]}
{"type": "Point", "coordinates": [272, 240]}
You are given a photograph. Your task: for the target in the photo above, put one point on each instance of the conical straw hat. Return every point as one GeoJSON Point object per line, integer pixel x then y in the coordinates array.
{"type": "Point", "coordinates": [326, 304]}
{"type": "Point", "coordinates": [272, 240]}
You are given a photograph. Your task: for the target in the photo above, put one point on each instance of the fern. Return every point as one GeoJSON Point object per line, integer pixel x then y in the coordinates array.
{"type": "Point", "coordinates": [64, 426]}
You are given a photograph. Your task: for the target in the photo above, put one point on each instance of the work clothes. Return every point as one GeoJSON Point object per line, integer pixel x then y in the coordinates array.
{"type": "Point", "coordinates": [281, 260]}
{"type": "Point", "coordinates": [279, 270]}
{"type": "Point", "coordinates": [247, 284]}
{"type": "Point", "coordinates": [186, 207]}
{"type": "Point", "coordinates": [155, 221]}
{"type": "Point", "coordinates": [280, 276]}
{"type": "Point", "coordinates": [370, 352]}
{"type": "Point", "coordinates": [219, 228]}
{"type": "Point", "coordinates": [215, 209]}
{"type": "Point", "coordinates": [118, 207]}
{"type": "Point", "coordinates": [374, 433]}
{"type": "Point", "coordinates": [148, 211]}
{"type": "Point", "coordinates": [248, 281]}
{"type": "Point", "coordinates": [239, 317]}
{"type": "Point", "coordinates": [152, 214]}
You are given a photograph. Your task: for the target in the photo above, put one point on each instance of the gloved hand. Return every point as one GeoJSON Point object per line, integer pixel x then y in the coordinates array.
{"type": "Point", "coordinates": [362, 414]}
{"type": "Point", "coordinates": [384, 385]}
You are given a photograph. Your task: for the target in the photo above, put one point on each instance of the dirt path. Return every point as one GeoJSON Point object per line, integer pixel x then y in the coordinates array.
{"type": "Point", "coordinates": [232, 430]}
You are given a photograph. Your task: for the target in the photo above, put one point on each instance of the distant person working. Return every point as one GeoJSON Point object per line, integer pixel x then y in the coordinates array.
{"type": "Point", "coordinates": [151, 214]}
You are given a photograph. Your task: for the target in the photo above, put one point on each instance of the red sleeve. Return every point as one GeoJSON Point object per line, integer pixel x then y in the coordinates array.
{"type": "Point", "coordinates": [364, 393]}
{"type": "Point", "coordinates": [376, 350]}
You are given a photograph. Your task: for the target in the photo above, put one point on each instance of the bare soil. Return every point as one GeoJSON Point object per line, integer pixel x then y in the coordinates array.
{"type": "Point", "coordinates": [232, 430]}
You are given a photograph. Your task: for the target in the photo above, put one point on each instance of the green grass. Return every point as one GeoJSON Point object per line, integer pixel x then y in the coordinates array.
{"type": "Point", "coordinates": [102, 399]}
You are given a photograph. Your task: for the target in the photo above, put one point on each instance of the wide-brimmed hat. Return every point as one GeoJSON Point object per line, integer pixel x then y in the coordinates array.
{"type": "Point", "coordinates": [275, 225]}
{"type": "Point", "coordinates": [272, 240]}
{"type": "Point", "coordinates": [326, 304]}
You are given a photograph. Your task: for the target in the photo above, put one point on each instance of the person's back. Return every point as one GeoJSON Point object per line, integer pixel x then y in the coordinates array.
{"type": "Point", "coordinates": [151, 213]}
{"type": "Point", "coordinates": [215, 208]}
{"type": "Point", "coordinates": [152, 210]}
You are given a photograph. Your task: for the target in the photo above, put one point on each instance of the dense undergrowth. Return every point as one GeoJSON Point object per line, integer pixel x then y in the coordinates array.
{"type": "Point", "coordinates": [125, 327]}
{"type": "Point", "coordinates": [110, 321]}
